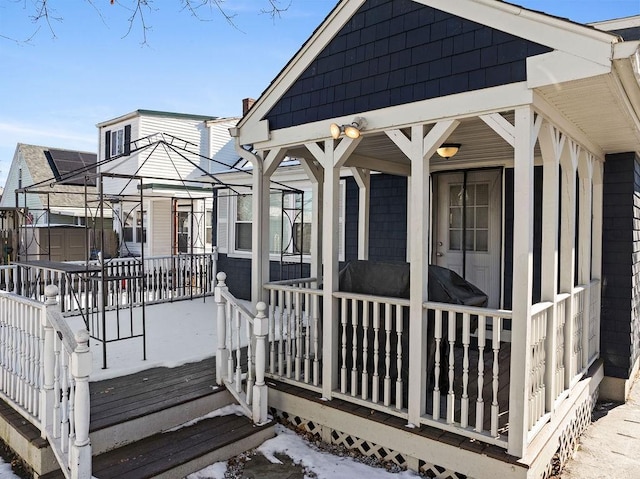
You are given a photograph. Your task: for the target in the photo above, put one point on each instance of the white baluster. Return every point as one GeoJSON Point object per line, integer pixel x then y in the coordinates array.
{"type": "Point", "coordinates": [466, 339]}
{"type": "Point", "coordinates": [375, 380]}
{"type": "Point", "coordinates": [354, 347]}
{"type": "Point", "coordinates": [365, 350]}
{"type": "Point", "coordinates": [343, 344]}
{"type": "Point", "coordinates": [437, 334]}
{"type": "Point", "coordinates": [316, 340]}
{"type": "Point", "coordinates": [48, 392]}
{"type": "Point", "coordinates": [387, 354]}
{"type": "Point", "coordinates": [482, 333]}
{"type": "Point", "coordinates": [272, 331]}
{"type": "Point", "coordinates": [495, 345]}
{"type": "Point", "coordinates": [451, 338]}
{"type": "Point", "coordinates": [399, 331]}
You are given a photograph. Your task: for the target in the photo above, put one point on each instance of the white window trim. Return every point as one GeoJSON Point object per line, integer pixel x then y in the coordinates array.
{"type": "Point", "coordinates": [230, 223]}
{"type": "Point", "coordinates": [117, 142]}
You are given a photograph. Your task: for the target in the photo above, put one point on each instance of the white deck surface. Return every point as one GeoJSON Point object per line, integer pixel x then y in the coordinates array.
{"type": "Point", "coordinates": [176, 333]}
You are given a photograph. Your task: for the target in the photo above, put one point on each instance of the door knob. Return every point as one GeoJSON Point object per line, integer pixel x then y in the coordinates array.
{"type": "Point", "coordinates": [439, 254]}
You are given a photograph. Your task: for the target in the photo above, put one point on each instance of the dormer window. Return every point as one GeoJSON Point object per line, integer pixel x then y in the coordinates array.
{"type": "Point", "coordinates": [117, 142]}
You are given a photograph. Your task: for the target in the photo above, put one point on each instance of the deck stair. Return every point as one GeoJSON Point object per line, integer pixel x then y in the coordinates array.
{"type": "Point", "coordinates": [141, 424]}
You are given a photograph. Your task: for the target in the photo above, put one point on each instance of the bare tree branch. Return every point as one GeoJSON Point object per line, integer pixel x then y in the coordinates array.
{"type": "Point", "coordinates": [41, 11]}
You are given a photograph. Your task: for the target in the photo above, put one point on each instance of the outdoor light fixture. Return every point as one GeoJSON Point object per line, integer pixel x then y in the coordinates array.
{"type": "Point", "coordinates": [447, 150]}
{"type": "Point", "coordinates": [352, 130]}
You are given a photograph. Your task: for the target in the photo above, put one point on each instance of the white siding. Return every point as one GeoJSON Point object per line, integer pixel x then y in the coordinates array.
{"type": "Point", "coordinates": [9, 197]}
{"type": "Point", "coordinates": [160, 237]}
{"type": "Point", "coordinates": [221, 146]}
{"type": "Point", "coordinates": [165, 163]}
{"type": "Point", "coordinates": [127, 165]}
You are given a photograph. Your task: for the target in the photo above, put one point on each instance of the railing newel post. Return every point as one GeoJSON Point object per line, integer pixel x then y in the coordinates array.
{"type": "Point", "coordinates": [260, 389]}
{"type": "Point", "coordinates": [222, 354]}
{"type": "Point", "coordinates": [81, 365]}
{"type": "Point", "coordinates": [47, 391]}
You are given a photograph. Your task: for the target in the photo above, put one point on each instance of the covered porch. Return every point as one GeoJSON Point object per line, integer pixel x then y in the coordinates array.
{"type": "Point", "coordinates": [511, 375]}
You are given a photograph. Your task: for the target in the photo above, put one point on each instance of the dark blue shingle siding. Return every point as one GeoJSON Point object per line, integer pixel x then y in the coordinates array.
{"type": "Point", "coordinates": [394, 52]}
{"type": "Point", "coordinates": [620, 314]}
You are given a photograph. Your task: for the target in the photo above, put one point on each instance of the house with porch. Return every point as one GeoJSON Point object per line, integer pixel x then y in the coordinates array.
{"type": "Point", "coordinates": [532, 200]}
{"type": "Point", "coordinates": [151, 163]}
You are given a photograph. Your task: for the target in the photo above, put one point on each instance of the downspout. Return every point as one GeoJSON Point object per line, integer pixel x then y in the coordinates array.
{"type": "Point", "coordinates": [259, 262]}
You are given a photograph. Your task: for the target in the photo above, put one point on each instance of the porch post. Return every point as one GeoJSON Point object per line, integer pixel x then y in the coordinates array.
{"type": "Point", "coordinates": [363, 179]}
{"type": "Point", "coordinates": [569, 164]}
{"type": "Point", "coordinates": [259, 230]}
{"type": "Point", "coordinates": [522, 282]}
{"type": "Point", "coordinates": [419, 149]}
{"type": "Point", "coordinates": [332, 158]}
{"type": "Point", "coordinates": [551, 144]}
{"type": "Point", "coordinates": [596, 241]}
{"type": "Point", "coordinates": [585, 175]}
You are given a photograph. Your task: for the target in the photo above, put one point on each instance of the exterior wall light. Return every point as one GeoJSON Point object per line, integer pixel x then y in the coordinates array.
{"type": "Point", "coordinates": [352, 131]}
{"type": "Point", "coordinates": [447, 150]}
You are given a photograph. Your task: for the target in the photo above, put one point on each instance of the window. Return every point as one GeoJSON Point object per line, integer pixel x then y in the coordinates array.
{"type": "Point", "coordinates": [243, 223]}
{"type": "Point", "coordinates": [137, 233]}
{"type": "Point", "coordinates": [117, 142]}
{"type": "Point", "coordinates": [208, 220]}
{"type": "Point", "coordinates": [291, 220]}
{"type": "Point", "coordinates": [469, 217]}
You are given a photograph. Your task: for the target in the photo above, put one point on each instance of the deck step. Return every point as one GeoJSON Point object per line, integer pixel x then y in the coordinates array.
{"type": "Point", "coordinates": [180, 452]}
{"type": "Point", "coordinates": [129, 408]}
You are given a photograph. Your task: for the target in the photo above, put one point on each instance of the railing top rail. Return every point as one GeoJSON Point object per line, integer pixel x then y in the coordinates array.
{"type": "Point", "coordinates": [288, 282]}
{"type": "Point", "coordinates": [65, 334]}
{"type": "Point", "coordinates": [297, 289]}
{"type": "Point", "coordinates": [562, 296]}
{"type": "Point", "coordinates": [540, 307]}
{"type": "Point", "coordinates": [372, 298]}
{"type": "Point", "coordinates": [461, 308]}
{"type": "Point", "coordinates": [243, 310]}
{"type": "Point", "coordinates": [21, 299]}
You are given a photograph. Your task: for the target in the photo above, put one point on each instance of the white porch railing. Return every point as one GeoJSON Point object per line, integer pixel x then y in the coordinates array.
{"type": "Point", "coordinates": [295, 331]}
{"type": "Point", "coordinates": [472, 398]}
{"type": "Point", "coordinates": [127, 281]}
{"type": "Point", "coordinates": [45, 376]}
{"type": "Point", "coordinates": [468, 358]}
{"type": "Point", "coordinates": [241, 353]}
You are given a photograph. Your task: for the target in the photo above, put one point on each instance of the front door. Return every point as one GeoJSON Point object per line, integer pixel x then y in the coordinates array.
{"type": "Point", "coordinates": [183, 231]}
{"type": "Point", "coordinates": [468, 230]}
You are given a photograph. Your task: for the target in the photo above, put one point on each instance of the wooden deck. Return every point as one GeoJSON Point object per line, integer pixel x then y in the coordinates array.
{"type": "Point", "coordinates": [138, 397]}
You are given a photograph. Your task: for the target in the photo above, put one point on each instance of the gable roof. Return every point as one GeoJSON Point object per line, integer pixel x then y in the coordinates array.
{"type": "Point", "coordinates": [156, 113]}
{"type": "Point", "coordinates": [37, 161]}
{"type": "Point", "coordinates": [530, 27]}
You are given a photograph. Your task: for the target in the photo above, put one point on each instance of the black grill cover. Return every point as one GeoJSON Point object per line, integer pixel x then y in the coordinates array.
{"type": "Point", "coordinates": [392, 279]}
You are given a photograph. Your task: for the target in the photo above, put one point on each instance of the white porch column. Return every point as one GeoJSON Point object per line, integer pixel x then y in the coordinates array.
{"type": "Point", "coordinates": [263, 167]}
{"type": "Point", "coordinates": [552, 142]}
{"type": "Point", "coordinates": [596, 237]}
{"type": "Point", "coordinates": [315, 173]}
{"type": "Point", "coordinates": [419, 149]}
{"type": "Point", "coordinates": [363, 179]}
{"type": "Point", "coordinates": [569, 162]}
{"type": "Point", "coordinates": [522, 282]}
{"type": "Point", "coordinates": [585, 176]}
{"type": "Point", "coordinates": [332, 157]}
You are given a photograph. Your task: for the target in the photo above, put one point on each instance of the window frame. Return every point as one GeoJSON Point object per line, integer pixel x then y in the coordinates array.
{"type": "Point", "coordinates": [231, 220]}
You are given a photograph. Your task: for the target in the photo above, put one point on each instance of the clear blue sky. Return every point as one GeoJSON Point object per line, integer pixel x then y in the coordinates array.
{"type": "Point", "coordinates": [53, 91]}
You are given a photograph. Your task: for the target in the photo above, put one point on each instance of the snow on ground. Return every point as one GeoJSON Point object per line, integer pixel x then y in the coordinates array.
{"type": "Point", "coordinates": [6, 472]}
{"type": "Point", "coordinates": [323, 464]}
{"type": "Point", "coordinates": [176, 333]}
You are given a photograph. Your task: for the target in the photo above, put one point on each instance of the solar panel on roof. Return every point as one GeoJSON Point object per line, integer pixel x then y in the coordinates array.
{"type": "Point", "coordinates": [64, 163]}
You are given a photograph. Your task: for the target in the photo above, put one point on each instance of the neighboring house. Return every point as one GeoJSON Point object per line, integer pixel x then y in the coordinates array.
{"type": "Point", "coordinates": [538, 208]}
{"type": "Point", "coordinates": [50, 196]}
{"type": "Point", "coordinates": [42, 166]}
{"type": "Point", "coordinates": [151, 164]}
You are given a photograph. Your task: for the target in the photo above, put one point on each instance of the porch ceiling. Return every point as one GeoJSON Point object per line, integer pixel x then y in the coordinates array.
{"type": "Point", "coordinates": [599, 109]}
{"type": "Point", "coordinates": [480, 146]}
